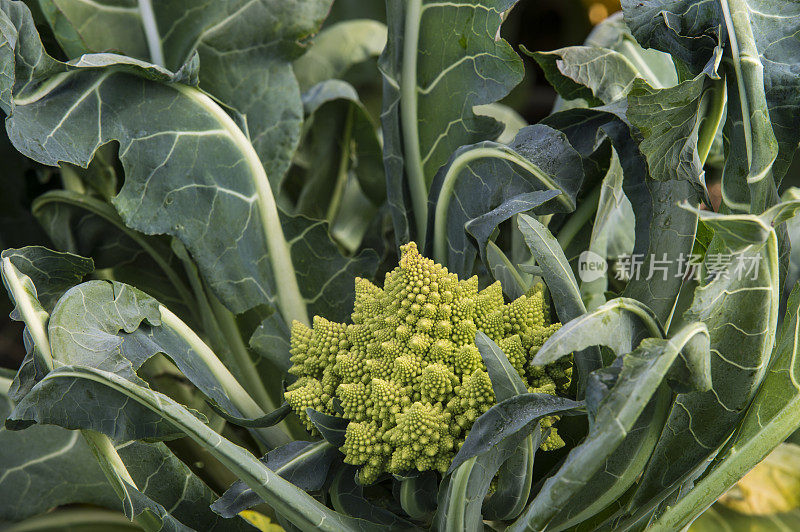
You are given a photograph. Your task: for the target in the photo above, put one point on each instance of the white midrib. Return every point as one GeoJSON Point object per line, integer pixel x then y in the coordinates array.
{"type": "Point", "coordinates": [29, 314]}
{"type": "Point", "coordinates": [737, 67]}
{"type": "Point", "coordinates": [36, 321]}
{"type": "Point", "coordinates": [409, 119]}
{"type": "Point", "coordinates": [150, 27]}
{"type": "Point", "coordinates": [290, 302]}
{"type": "Point", "coordinates": [230, 385]}
{"type": "Point", "coordinates": [449, 183]}
{"type": "Point", "coordinates": [278, 492]}
{"type": "Point", "coordinates": [746, 53]}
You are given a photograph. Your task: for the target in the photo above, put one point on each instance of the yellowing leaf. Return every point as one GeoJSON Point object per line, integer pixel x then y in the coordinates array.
{"type": "Point", "coordinates": [773, 486]}
{"type": "Point", "coordinates": [260, 521]}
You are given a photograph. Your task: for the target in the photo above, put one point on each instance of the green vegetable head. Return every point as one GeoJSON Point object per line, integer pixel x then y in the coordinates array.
{"type": "Point", "coordinates": [407, 373]}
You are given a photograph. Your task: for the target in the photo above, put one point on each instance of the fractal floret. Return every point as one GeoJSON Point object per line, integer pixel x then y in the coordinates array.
{"type": "Point", "coordinates": [407, 373]}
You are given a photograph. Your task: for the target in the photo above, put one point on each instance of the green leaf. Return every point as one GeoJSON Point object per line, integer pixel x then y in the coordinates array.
{"type": "Point", "coordinates": [761, 72]}
{"type": "Point", "coordinates": [482, 227]}
{"type": "Point", "coordinates": [516, 282]}
{"type": "Point", "coordinates": [340, 140]}
{"type": "Point", "coordinates": [663, 229]}
{"type": "Point", "coordinates": [338, 48]}
{"type": "Point", "coordinates": [515, 476]}
{"type": "Point", "coordinates": [303, 463]}
{"type": "Point", "coordinates": [515, 415]}
{"type": "Point", "coordinates": [620, 470]}
{"type": "Point", "coordinates": [654, 66]}
{"type": "Point", "coordinates": [141, 404]}
{"type": "Point", "coordinates": [462, 492]}
{"type": "Point", "coordinates": [54, 463]}
{"type": "Point", "coordinates": [347, 496]}
{"type": "Point", "coordinates": [670, 121]}
{"type": "Point", "coordinates": [66, 404]}
{"type": "Point", "coordinates": [664, 233]}
{"type": "Point", "coordinates": [194, 137]}
{"type": "Point", "coordinates": [769, 420]}
{"type": "Point", "coordinates": [560, 280]}
{"type": "Point", "coordinates": [613, 233]}
{"type": "Point", "coordinates": [85, 520]}
{"type": "Point", "coordinates": [245, 48]}
{"type": "Point", "coordinates": [267, 420]}
{"type": "Point", "coordinates": [597, 75]}
{"type": "Point", "coordinates": [28, 309]}
{"type": "Point", "coordinates": [82, 224]}
{"type": "Point", "coordinates": [506, 382]}
{"type": "Point", "coordinates": [556, 270]}
{"type": "Point", "coordinates": [793, 230]}
{"type": "Point", "coordinates": [332, 428]}
{"type": "Point", "coordinates": [775, 31]}
{"type": "Point", "coordinates": [441, 59]}
{"type": "Point", "coordinates": [52, 273]}
{"type": "Point", "coordinates": [621, 324]}
{"type": "Point", "coordinates": [271, 341]}
{"type": "Point", "coordinates": [512, 121]}
{"type": "Point", "coordinates": [640, 379]}
{"type": "Point", "coordinates": [58, 468]}
{"type": "Point", "coordinates": [62, 119]}
{"type": "Point", "coordinates": [114, 327]}
{"type": "Point", "coordinates": [418, 494]}
{"type": "Point", "coordinates": [481, 177]}
{"type": "Point", "coordinates": [681, 28]}
{"type": "Point", "coordinates": [325, 275]}
{"type": "Point", "coordinates": [740, 309]}
{"type": "Point", "coordinates": [136, 504]}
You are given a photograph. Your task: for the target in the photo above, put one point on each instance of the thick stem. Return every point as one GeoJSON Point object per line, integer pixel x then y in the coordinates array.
{"type": "Point", "coordinates": [250, 378]}
{"type": "Point", "coordinates": [760, 142]}
{"type": "Point", "coordinates": [580, 217]}
{"type": "Point", "coordinates": [290, 302]}
{"type": "Point", "coordinates": [342, 174]}
{"type": "Point", "coordinates": [207, 317]}
{"type": "Point", "coordinates": [708, 130]}
{"type": "Point", "coordinates": [150, 27]}
{"type": "Point", "coordinates": [737, 68]}
{"type": "Point", "coordinates": [76, 519]}
{"type": "Point", "coordinates": [409, 120]}
{"type": "Point", "coordinates": [71, 180]}
{"type": "Point", "coordinates": [35, 319]}
{"type": "Point", "coordinates": [301, 508]}
{"type": "Point", "coordinates": [458, 483]}
{"type": "Point", "coordinates": [239, 397]}
{"type": "Point", "coordinates": [106, 454]}
{"type": "Point", "coordinates": [449, 183]}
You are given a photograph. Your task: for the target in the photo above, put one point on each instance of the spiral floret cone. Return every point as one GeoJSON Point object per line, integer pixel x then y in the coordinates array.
{"type": "Point", "coordinates": [407, 373]}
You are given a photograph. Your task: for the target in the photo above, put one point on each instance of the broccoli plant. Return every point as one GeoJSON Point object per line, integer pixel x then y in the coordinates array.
{"type": "Point", "coordinates": [279, 267]}
{"type": "Point", "coordinates": [407, 374]}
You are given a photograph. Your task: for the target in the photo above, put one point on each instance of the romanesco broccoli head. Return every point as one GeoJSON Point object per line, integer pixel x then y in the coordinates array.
{"type": "Point", "coordinates": [407, 374]}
